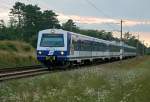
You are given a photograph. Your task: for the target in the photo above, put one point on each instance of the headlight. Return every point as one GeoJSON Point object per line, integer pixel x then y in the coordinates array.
{"type": "Point", "coordinates": [40, 52]}
{"type": "Point", "coordinates": [62, 53]}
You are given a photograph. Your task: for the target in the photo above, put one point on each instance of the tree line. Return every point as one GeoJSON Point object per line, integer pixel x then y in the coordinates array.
{"type": "Point", "coordinates": [26, 20]}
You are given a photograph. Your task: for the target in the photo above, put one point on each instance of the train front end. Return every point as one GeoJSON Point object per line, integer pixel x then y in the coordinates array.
{"type": "Point", "coordinates": [52, 47]}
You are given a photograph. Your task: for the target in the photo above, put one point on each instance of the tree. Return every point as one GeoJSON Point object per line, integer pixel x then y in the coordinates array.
{"type": "Point", "coordinates": [31, 16]}
{"type": "Point", "coordinates": [106, 35]}
{"type": "Point", "coordinates": [102, 34]}
{"type": "Point", "coordinates": [27, 20]}
{"type": "Point", "coordinates": [2, 24]}
{"type": "Point", "coordinates": [70, 26]}
{"type": "Point", "coordinates": [132, 41]}
{"type": "Point", "coordinates": [4, 32]}
{"type": "Point", "coordinates": [49, 20]}
{"type": "Point", "coordinates": [16, 13]}
{"type": "Point", "coordinates": [127, 36]}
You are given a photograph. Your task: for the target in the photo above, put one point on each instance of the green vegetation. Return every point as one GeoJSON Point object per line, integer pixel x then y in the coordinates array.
{"type": "Point", "coordinates": [125, 81]}
{"type": "Point", "coordinates": [16, 53]}
{"type": "Point", "coordinates": [15, 46]}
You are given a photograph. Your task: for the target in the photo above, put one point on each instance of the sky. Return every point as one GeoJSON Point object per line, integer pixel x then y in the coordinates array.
{"type": "Point", "coordinates": [96, 14]}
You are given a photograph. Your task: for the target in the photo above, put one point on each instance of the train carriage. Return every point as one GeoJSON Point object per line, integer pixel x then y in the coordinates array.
{"type": "Point", "coordinates": [57, 46]}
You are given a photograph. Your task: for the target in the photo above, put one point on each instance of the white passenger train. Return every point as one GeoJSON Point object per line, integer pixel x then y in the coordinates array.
{"type": "Point", "coordinates": [57, 46]}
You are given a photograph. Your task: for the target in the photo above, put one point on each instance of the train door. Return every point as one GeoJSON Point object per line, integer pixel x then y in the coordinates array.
{"type": "Point", "coordinates": [108, 51]}
{"type": "Point", "coordinates": [74, 46]}
{"type": "Point", "coordinates": [91, 45]}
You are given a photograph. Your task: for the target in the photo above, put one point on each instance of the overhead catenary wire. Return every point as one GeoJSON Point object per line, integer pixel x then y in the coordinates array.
{"type": "Point", "coordinates": [100, 12]}
{"type": "Point", "coordinates": [45, 5]}
{"type": "Point", "coordinates": [108, 16]}
{"type": "Point", "coordinates": [7, 5]}
{"type": "Point", "coordinates": [98, 9]}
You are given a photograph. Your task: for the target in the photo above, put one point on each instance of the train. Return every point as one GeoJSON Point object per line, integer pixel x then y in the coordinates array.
{"type": "Point", "coordinates": [60, 47]}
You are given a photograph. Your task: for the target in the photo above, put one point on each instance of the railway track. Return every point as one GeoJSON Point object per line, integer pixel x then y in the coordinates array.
{"type": "Point", "coordinates": [28, 71]}
{"type": "Point", "coordinates": [21, 72]}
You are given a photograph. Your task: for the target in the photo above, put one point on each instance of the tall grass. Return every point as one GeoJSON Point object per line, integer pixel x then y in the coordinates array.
{"type": "Point", "coordinates": [15, 53]}
{"type": "Point", "coordinates": [115, 82]}
{"type": "Point", "coordinates": [15, 46]}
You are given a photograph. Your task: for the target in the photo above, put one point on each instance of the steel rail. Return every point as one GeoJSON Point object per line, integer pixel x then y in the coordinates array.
{"type": "Point", "coordinates": [20, 72]}
{"type": "Point", "coordinates": [28, 71]}
{"type": "Point", "coordinates": [11, 69]}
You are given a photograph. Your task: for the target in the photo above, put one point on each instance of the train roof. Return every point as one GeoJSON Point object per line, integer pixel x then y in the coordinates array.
{"type": "Point", "coordinates": [52, 31]}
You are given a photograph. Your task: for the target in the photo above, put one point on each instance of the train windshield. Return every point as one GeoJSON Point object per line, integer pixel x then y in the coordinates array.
{"type": "Point", "coordinates": [52, 40]}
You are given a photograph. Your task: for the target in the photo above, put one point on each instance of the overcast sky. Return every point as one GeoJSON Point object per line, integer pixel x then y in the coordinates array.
{"type": "Point", "coordinates": [96, 14]}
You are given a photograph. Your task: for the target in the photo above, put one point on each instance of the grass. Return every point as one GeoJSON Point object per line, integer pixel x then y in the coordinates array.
{"type": "Point", "coordinates": [15, 46]}
{"type": "Point", "coordinates": [126, 81]}
{"type": "Point", "coordinates": [16, 53]}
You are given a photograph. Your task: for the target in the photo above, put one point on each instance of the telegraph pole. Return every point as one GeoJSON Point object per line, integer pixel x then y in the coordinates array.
{"type": "Point", "coordinates": [121, 40]}
{"type": "Point", "coordinates": [146, 50]}
{"type": "Point", "coordinates": [143, 48]}
{"type": "Point", "coordinates": [121, 30]}
{"type": "Point", "coordinates": [137, 46]}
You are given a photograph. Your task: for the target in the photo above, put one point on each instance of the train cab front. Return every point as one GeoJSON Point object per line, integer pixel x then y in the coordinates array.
{"type": "Point", "coordinates": [52, 48]}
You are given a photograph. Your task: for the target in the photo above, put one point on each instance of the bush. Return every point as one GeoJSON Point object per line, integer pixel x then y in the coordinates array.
{"type": "Point", "coordinates": [8, 47]}
{"type": "Point", "coordinates": [16, 46]}
{"type": "Point", "coordinates": [16, 53]}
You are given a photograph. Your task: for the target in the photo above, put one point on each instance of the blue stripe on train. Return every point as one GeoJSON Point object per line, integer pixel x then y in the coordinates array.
{"type": "Point", "coordinates": [57, 54]}
{"type": "Point", "coordinates": [58, 58]}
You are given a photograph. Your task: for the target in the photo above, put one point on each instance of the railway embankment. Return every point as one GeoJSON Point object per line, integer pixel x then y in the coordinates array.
{"type": "Point", "coordinates": [121, 81]}
{"type": "Point", "coordinates": [16, 53]}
